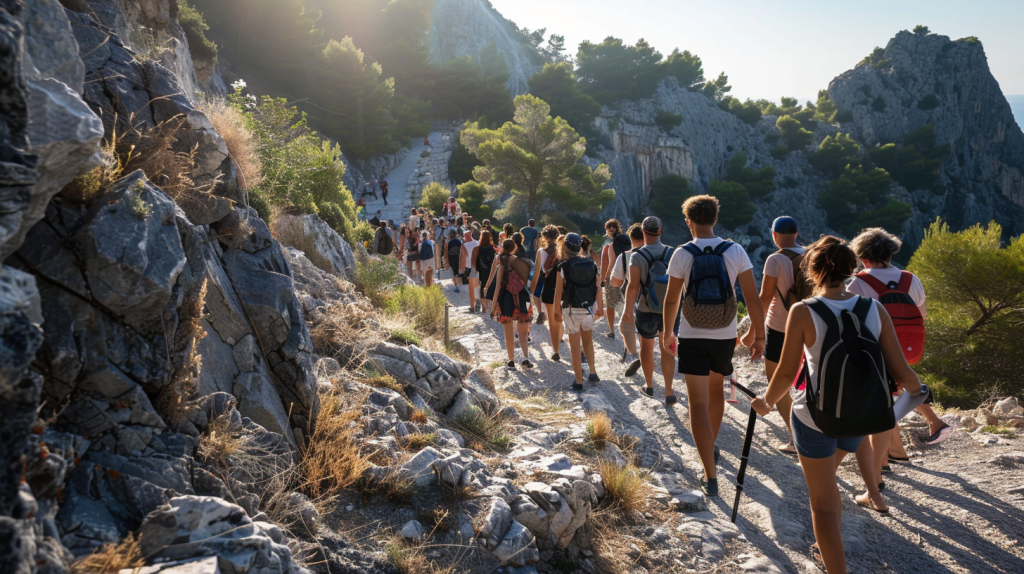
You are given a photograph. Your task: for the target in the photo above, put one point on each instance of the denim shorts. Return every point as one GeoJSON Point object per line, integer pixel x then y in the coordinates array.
{"type": "Point", "coordinates": [816, 444]}
{"type": "Point", "coordinates": [648, 325]}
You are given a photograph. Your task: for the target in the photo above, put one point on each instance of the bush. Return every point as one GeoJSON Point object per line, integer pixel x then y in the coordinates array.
{"type": "Point", "coordinates": [483, 432]}
{"type": "Point", "coordinates": [929, 102]}
{"type": "Point", "coordinates": [922, 30]}
{"type": "Point", "coordinates": [376, 278]}
{"type": "Point", "coordinates": [195, 27]}
{"type": "Point", "coordinates": [973, 283]}
{"type": "Point", "coordinates": [434, 197]}
{"type": "Point", "coordinates": [231, 125]}
{"type": "Point", "coordinates": [461, 163]}
{"type": "Point", "coordinates": [736, 208]}
{"type": "Point", "coordinates": [780, 152]}
{"type": "Point", "coordinates": [916, 163]}
{"type": "Point", "coordinates": [794, 134]}
{"type": "Point", "coordinates": [668, 194]}
{"type": "Point", "coordinates": [835, 153]}
{"type": "Point", "coordinates": [748, 112]}
{"type": "Point", "coordinates": [667, 120]}
{"type": "Point", "coordinates": [758, 183]}
{"type": "Point", "coordinates": [471, 199]}
{"type": "Point", "coordinates": [424, 305]}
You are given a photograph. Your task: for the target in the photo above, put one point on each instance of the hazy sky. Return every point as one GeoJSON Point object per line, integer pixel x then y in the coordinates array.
{"type": "Point", "coordinates": [771, 49]}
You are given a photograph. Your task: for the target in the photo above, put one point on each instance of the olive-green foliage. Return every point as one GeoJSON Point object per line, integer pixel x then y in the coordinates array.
{"type": "Point", "coordinates": [748, 112]}
{"type": "Point", "coordinates": [556, 84]}
{"type": "Point", "coordinates": [461, 163]}
{"type": "Point", "coordinates": [876, 58]}
{"type": "Point", "coordinates": [434, 196]}
{"type": "Point", "coordinates": [472, 195]}
{"type": "Point", "coordinates": [835, 153]}
{"type": "Point", "coordinates": [975, 312]}
{"type": "Point", "coordinates": [929, 102]}
{"type": "Point", "coordinates": [717, 89]}
{"type": "Point", "coordinates": [424, 305]}
{"type": "Point", "coordinates": [301, 172]}
{"type": "Point", "coordinates": [922, 30]}
{"type": "Point", "coordinates": [669, 192]}
{"type": "Point", "coordinates": [667, 120]}
{"type": "Point", "coordinates": [757, 182]}
{"type": "Point", "coordinates": [557, 218]}
{"type": "Point", "coordinates": [535, 159]}
{"type": "Point", "coordinates": [377, 277]}
{"type": "Point", "coordinates": [916, 163]}
{"type": "Point", "coordinates": [779, 152]}
{"type": "Point", "coordinates": [793, 133]}
{"type": "Point", "coordinates": [825, 110]}
{"type": "Point", "coordinates": [613, 71]}
{"type": "Point", "coordinates": [195, 27]}
{"type": "Point", "coordinates": [859, 199]}
{"type": "Point", "coordinates": [464, 88]}
{"type": "Point", "coordinates": [736, 209]}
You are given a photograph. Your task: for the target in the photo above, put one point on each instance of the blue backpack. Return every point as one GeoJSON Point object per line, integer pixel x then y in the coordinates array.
{"type": "Point", "coordinates": [654, 287]}
{"type": "Point", "coordinates": [710, 301]}
{"type": "Point", "coordinates": [426, 250]}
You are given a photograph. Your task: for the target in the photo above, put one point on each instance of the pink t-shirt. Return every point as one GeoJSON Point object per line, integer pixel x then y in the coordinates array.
{"type": "Point", "coordinates": [779, 266]}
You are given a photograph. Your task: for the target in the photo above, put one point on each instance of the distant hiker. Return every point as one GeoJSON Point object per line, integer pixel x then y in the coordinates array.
{"type": "Point", "coordinates": [707, 268]}
{"type": "Point", "coordinates": [506, 232]}
{"type": "Point", "coordinates": [543, 285]}
{"type": "Point", "coordinates": [414, 219]}
{"type": "Point", "coordinates": [375, 220]}
{"type": "Point", "coordinates": [587, 251]}
{"type": "Point", "coordinates": [902, 295]}
{"type": "Point", "coordinates": [383, 244]}
{"type": "Point", "coordinates": [619, 277]}
{"type": "Point", "coordinates": [850, 347]}
{"type": "Point", "coordinates": [782, 285]}
{"type": "Point", "coordinates": [427, 258]}
{"type": "Point", "coordinates": [483, 263]}
{"type": "Point", "coordinates": [453, 251]}
{"type": "Point", "coordinates": [575, 291]}
{"type": "Point", "coordinates": [412, 253]}
{"type": "Point", "coordinates": [470, 275]}
{"type": "Point", "coordinates": [530, 235]}
{"type": "Point", "coordinates": [510, 303]}
{"type": "Point", "coordinates": [645, 299]}
{"type": "Point", "coordinates": [617, 244]}
{"type": "Point", "coordinates": [384, 191]}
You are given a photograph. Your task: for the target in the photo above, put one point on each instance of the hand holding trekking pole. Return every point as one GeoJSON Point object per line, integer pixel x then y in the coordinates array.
{"type": "Point", "coordinates": [761, 406]}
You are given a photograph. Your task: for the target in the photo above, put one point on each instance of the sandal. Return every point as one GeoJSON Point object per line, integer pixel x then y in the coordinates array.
{"type": "Point", "coordinates": [787, 448]}
{"type": "Point", "coordinates": [670, 400]}
{"type": "Point", "coordinates": [886, 469]}
{"type": "Point", "coordinates": [816, 558]}
{"type": "Point", "coordinates": [649, 391]}
{"type": "Point", "coordinates": [899, 458]}
{"type": "Point", "coordinates": [871, 506]}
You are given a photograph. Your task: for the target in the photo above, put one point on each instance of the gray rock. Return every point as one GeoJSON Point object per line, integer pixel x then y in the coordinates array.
{"type": "Point", "coordinates": [398, 369]}
{"type": "Point", "coordinates": [455, 368]}
{"type": "Point", "coordinates": [613, 453]}
{"type": "Point", "coordinates": [325, 241]}
{"type": "Point", "coordinates": [595, 401]}
{"type": "Point", "coordinates": [461, 406]}
{"type": "Point", "coordinates": [495, 523]}
{"type": "Point", "coordinates": [386, 397]}
{"type": "Point", "coordinates": [209, 565]}
{"type": "Point", "coordinates": [258, 400]}
{"type": "Point", "coordinates": [412, 530]}
{"type": "Point", "coordinates": [420, 468]}
{"type": "Point", "coordinates": [443, 389]}
{"type": "Point", "coordinates": [518, 547]}
{"type": "Point", "coordinates": [50, 47]}
{"type": "Point", "coordinates": [1005, 407]}
{"type": "Point", "coordinates": [689, 501]}
{"type": "Point", "coordinates": [421, 361]}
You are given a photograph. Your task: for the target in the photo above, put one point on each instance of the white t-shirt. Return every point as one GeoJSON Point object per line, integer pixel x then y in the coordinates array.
{"type": "Point", "coordinates": [414, 221]}
{"type": "Point", "coordinates": [470, 246]}
{"type": "Point", "coordinates": [813, 353]}
{"type": "Point", "coordinates": [779, 266]}
{"type": "Point", "coordinates": [736, 262]}
{"type": "Point", "coordinates": [617, 271]}
{"type": "Point", "coordinates": [888, 275]}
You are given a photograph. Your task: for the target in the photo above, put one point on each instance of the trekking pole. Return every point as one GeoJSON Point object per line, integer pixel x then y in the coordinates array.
{"type": "Point", "coordinates": [746, 449]}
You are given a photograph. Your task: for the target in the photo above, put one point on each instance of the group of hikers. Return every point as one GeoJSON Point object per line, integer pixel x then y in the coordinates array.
{"type": "Point", "coordinates": [838, 326]}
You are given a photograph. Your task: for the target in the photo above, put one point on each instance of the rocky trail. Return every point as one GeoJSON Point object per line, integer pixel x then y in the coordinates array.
{"type": "Point", "coordinates": [958, 507]}
{"type": "Point", "coordinates": [402, 179]}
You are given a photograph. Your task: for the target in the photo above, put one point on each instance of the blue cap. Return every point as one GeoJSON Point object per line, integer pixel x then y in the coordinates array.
{"type": "Point", "coordinates": [785, 225]}
{"type": "Point", "coordinates": [573, 242]}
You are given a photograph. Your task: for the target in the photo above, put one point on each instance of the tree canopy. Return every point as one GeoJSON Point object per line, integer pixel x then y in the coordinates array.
{"type": "Point", "coordinates": [556, 84]}
{"type": "Point", "coordinates": [535, 159]}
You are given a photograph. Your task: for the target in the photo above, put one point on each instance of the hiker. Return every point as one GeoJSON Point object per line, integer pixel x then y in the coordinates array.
{"type": "Point", "coordinates": [438, 231]}
{"type": "Point", "coordinates": [645, 297]}
{"type": "Point", "coordinates": [575, 291]}
{"type": "Point", "coordinates": [827, 321]}
{"type": "Point", "coordinates": [412, 253]}
{"type": "Point", "coordinates": [587, 252]}
{"type": "Point", "coordinates": [506, 232]}
{"type": "Point", "coordinates": [483, 262]}
{"type": "Point", "coordinates": [383, 244]}
{"type": "Point", "coordinates": [509, 302]}
{"type": "Point", "coordinates": [618, 244]}
{"type": "Point", "coordinates": [470, 275]}
{"type": "Point", "coordinates": [707, 268]}
{"type": "Point", "coordinates": [384, 191]}
{"type": "Point", "coordinates": [619, 277]}
{"type": "Point", "coordinates": [782, 285]}
{"type": "Point", "coordinates": [453, 251]}
{"type": "Point", "coordinates": [414, 219]}
{"type": "Point", "coordinates": [902, 295]}
{"type": "Point", "coordinates": [530, 235]}
{"type": "Point", "coordinates": [426, 258]}
{"type": "Point", "coordinates": [543, 286]}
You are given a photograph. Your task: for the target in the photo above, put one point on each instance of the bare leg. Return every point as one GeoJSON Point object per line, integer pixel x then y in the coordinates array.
{"type": "Point", "coordinates": [785, 404]}
{"type": "Point", "coordinates": [880, 453]}
{"type": "Point", "coordinates": [866, 464]}
{"type": "Point", "coordinates": [429, 277]}
{"type": "Point", "coordinates": [716, 403]}
{"type": "Point", "coordinates": [668, 368]}
{"type": "Point", "coordinates": [647, 360]}
{"type": "Point", "coordinates": [472, 292]}
{"type": "Point", "coordinates": [524, 338]}
{"type": "Point", "coordinates": [699, 397]}
{"type": "Point", "coordinates": [934, 422]}
{"type": "Point", "coordinates": [628, 331]}
{"type": "Point", "coordinates": [588, 348]}
{"type": "Point", "coordinates": [510, 341]}
{"type": "Point", "coordinates": [826, 510]}
{"type": "Point", "coordinates": [609, 313]}
{"type": "Point", "coordinates": [577, 362]}
{"type": "Point", "coordinates": [896, 443]}
{"type": "Point", "coordinates": [554, 328]}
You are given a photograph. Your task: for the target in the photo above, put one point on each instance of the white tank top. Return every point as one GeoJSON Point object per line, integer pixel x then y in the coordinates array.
{"type": "Point", "coordinates": [812, 354]}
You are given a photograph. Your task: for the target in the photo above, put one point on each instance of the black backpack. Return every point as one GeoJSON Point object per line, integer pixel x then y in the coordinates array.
{"type": "Point", "coordinates": [484, 261]}
{"type": "Point", "coordinates": [385, 246]}
{"type": "Point", "coordinates": [852, 397]}
{"type": "Point", "coordinates": [580, 283]}
{"type": "Point", "coordinates": [454, 253]}
{"type": "Point", "coordinates": [621, 244]}
{"type": "Point", "coordinates": [801, 288]}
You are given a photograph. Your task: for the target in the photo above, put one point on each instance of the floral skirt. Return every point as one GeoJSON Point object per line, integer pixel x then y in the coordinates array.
{"type": "Point", "coordinates": [509, 311]}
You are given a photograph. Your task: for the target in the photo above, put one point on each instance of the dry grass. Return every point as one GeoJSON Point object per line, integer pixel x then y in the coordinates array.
{"type": "Point", "coordinates": [626, 487]}
{"type": "Point", "coordinates": [416, 442]}
{"type": "Point", "coordinates": [111, 558]}
{"type": "Point", "coordinates": [419, 417]}
{"type": "Point", "coordinates": [230, 124]}
{"type": "Point", "coordinates": [483, 432]}
{"type": "Point", "coordinates": [333, 459]}
{"type": "Point", "coordinates": [223, 442]}
{"type": "Point", "coordinates": [407, 559]}
{"type": "Point", "coordinates": [289, 231]}
{"type": "Point", "coordinates": [384, 381]}
{"type": "Point", "coordinates": [173, 399]}
{"type": "Point", "coordinates": [347, 333]}
{"type": "Point", "coordinates": [599, 429]}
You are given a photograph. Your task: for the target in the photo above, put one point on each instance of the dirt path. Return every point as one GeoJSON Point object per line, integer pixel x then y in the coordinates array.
{"type": "Point", "coordinates": [398, 182]}
{"type": "Point", "coordinates": [951, 509]}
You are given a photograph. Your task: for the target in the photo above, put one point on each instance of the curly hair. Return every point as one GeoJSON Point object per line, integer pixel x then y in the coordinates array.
{"type": "Point", "coordinates": [876, 245]}
{"type": "Point", "coordinates": [829, 262]}
{"type": "Point", "coordinates": [614, 226]}
{"type": "Point", "coordinates": [701, 209]}
{"type": "Point", "coordinates": [636, 231]}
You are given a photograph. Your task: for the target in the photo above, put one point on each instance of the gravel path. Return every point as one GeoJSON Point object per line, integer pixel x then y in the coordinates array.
{"type": "Point", "coordinates": [398, 182]}
{"type": "Point", "coordinates": [952, 509]}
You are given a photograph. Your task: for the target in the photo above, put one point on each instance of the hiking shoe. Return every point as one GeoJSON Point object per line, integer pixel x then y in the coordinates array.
{"type": "Point", "coordinates": [610, 335]}
{"type": "Point", "coordinates": [625, 354]}
{"type": "Point", "coordinates": [541, 317]}
{"type": "Point", "coordinates": [511, 364]}
{"type": "Point", "coordinates": [940, 435]}
{"type": "Point", "coordinates": [671, 400]}
{"type": "Point", "coordinates": [634, 364]}
{"type": "Point", "coordinates": [526, 364]}
{"type": "Point", "coordinates": [593, 378]}
{"type": "Point", "coordinates": [709, 486]}
{"type": "Point", "coordinates": [457, 290]}
{"type": "Point", "coordinates": [577, 386]}
{"type": "Point", "coordinates": [556, 358]}
{"type": "Point", "coordinates": [649, 391]}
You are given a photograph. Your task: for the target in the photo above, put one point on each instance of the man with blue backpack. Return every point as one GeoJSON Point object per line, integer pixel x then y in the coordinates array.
{"type": "Point", "coordinates": [707, 268]}
{"type": "Point", "coordinates": [645, 299]}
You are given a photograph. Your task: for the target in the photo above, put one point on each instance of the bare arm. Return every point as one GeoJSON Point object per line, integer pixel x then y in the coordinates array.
{"type": "Point", "coordinates": [631, 294]}
{"type": "Point", "coordinates": [558, 297]}
{"type": "Point", "coordinates": [606, 266]}
{"type": "Point", "coordinates": [756, 311]}
{"type": "Point", "coordinates": [536, 276]}
{"type": "Point", "coordinates": [494, 300]}
{"type": "Point", "coordinates": [768, 285]}
{"type": "Point", "coordinates": [672, 299]}
{"type": "Point", "coordinates": [495, 269]}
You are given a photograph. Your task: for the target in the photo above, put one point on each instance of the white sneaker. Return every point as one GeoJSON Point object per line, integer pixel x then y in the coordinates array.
{"type": "Point", "coordinates": [940, 435]}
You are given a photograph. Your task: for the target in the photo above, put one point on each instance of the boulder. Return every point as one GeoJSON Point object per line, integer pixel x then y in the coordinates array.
{"type": "Point", "coordinates": [595, 401]}
{"type": "Point", "coordinates": [443, 389]}
{"type": "Point", "coordinates": [420, 468]}
{"type": "Point", "coordinates": [309, 232]}
{"type": "Point", "coordinates": [258, 401]}
{"type": "Point", "coordinates": [209, 565]}
{"type": "Point", "coordinates": [1005, 407]}
{"type": "Point", "coordinates": [412, 530]}
{"type": "Point", "coordinates": [495, 524]}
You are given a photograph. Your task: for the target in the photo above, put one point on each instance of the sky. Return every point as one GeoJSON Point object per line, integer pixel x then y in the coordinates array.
{"type": "Point", "coordinates": [771, 49]}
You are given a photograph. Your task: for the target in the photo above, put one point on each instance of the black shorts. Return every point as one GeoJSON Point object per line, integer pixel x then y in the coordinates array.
{"type": "Point", "coordinates": [773, 346]}
{"type": "Point", "coordinates": [648, 325]}
{"type": "Point", "coordinates": [547, 295]}
{"type": "Point", "coordinates": [701, 357]}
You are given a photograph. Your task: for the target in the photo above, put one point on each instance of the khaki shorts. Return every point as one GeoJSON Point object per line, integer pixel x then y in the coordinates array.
{"type": "Point", "coordinates": [576, 320]}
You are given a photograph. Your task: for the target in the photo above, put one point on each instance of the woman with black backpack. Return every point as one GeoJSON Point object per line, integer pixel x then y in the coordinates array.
{"type": "Point", "coordinates": [510, 302]}
{"type": "Point", "coordinates": [483, 263]}
{"type": "Point", "coordinates": [849, 344]}
{"type": "Point", "coordinates": [544, 278]}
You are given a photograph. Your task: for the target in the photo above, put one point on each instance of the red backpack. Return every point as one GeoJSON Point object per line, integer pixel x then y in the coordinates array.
{"type": "Point", "coordinates": [905, 314]}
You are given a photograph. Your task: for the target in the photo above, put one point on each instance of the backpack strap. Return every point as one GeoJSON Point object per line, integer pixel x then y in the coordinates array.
{"type": "Point", "coordinates": [722, 248]}
{"type": "Point", "coordinates": [874, 283]}
{"type": "Point", "coordinates": [862, 307]}
{"type": "Point", "coordinates": [692, 249]}
{"type": "Point", "coordinates": [906, 281]}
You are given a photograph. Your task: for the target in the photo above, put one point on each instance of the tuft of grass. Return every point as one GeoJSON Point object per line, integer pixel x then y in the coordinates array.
{"type": "Point", "coordinates": [111, 558]}
{"type": "Point", "coordinates": [424, 305]}
{"type": "Point", "coordinates": [377, 278]}
{"type": "Point", "coordinates": [406, 559]}
{"type": "Point", "coordinates": [496, 364]}
{"type": "Point", "coordinates": [333, 459]}
{"type": "Point", "coordinates": [416, 442]}
{"type": "Point", "coordinates": [230, 124]}
{"type": "Point", "coordinates": [419, 417]}
{"type": "Point", "coordinates": [405, 336]}
{"type": "Point", "coordinates": [483, 431]}
{"type": "Point", "coordinates": [175, 397]}
{"type": "Point", "coordinates": [140, 207]}
{"type": "Point", "coordinates": [1000, 430]}
{"type": "Point", "coordinates": [384, 381]}
{"type": "Point", "coordinates": [626, 486]}
{"type": "Point", "coordinates": [599, 429]}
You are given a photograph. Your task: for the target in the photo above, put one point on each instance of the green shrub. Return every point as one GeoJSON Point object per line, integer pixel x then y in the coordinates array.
{"type": "Point", "coordinates": [793, 132]}
{"type": "Point", "coordinates": [472, 195]}
{"type": "Point", "coordinates": [736, 208]}
{"type": "Point", "coordinates": [922, 30]}
{"type": "Point", "coordinates": [825, 110]}
{"type": "Point", "coordinates": [916, 163]}
{"type": "Point", "coordinates": [973, 282]}
{"type": "Point", "coordinates": [748, 112]}
{"type": "Point", "coordinates": [758, 183]}
{"type": "Point", "coordinates": [404, 336]}
{"type": "Point", "coordinates": [424, 305]}
{"type": "Point", "coordinates": [876, 58]}
{"type": "Point", "coordinates": [377, 277]}
{"type": "Point", "coordinates": [780, 152]}
{"type": "Point", "coordinates": [195, 27]}
{"type": "Point", "coordinates": [482, 431]}
{"type": "Point", "coordinates": [835, 153]}
{"type": "Point", "coordinates": [669, 192]}
{"type": "Point", "coordinates": [667, 120]}
{"type": "Point", "coordinates": [434, 197]}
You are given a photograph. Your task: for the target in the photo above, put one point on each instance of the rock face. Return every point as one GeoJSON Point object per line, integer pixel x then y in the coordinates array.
{"type": "Point", "coordinates": [461, 28]}
{"type": "Point", "coordinates": [930, 79]}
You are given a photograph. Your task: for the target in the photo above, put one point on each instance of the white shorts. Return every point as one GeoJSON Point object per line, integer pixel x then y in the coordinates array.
{"type": "Point", "coordinates": [427, 264]}
{"type": "Point", "coordinates": [576, 320]}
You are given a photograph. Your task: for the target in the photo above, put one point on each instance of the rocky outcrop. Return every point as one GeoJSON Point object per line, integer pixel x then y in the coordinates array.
{"type": "Point", "coordinates": [923, 79]}
{"type": "Point", "coordinates": [320, 241]}
{"type": "Point", "coordinates": [460, 28]}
